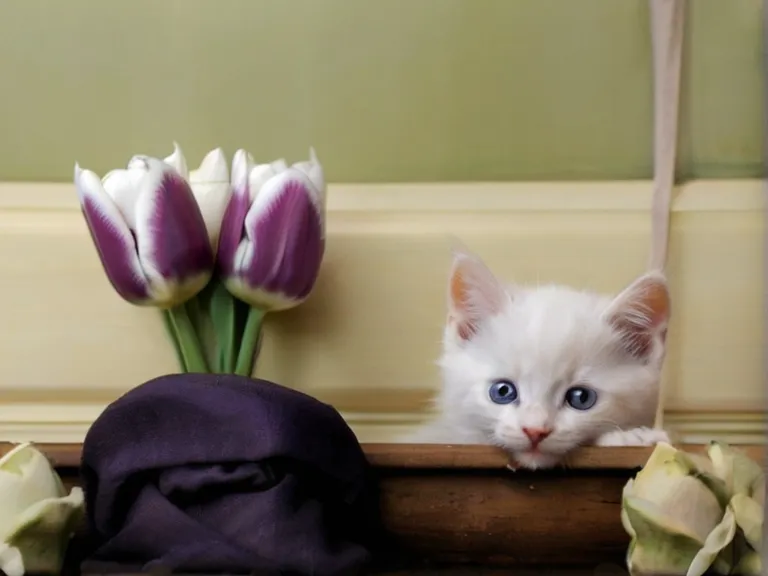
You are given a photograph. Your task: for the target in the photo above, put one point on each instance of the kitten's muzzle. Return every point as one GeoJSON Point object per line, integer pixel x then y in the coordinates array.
{"type": "Point", "coordinates": [536, 435]}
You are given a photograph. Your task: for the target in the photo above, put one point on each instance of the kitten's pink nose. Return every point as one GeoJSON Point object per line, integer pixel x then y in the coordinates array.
{"type": "Point", "coordinates": [536, 435]}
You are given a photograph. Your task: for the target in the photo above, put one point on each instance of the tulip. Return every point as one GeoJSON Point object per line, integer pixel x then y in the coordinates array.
{"type": "Point", "coordinates": [687, 514]}
{"type": "Point", "coordinates": [37, 517]}
{"type": "Point", "coordinates": [210, 186]}
{"type": "Point", "coordinates": [148, 231]}
{"type": "Point", "coordinates": [272, 241]}
{"type": "Point", "coordinates": [273, 236]}
{"type": "Point", "coordinates": [152, 242]}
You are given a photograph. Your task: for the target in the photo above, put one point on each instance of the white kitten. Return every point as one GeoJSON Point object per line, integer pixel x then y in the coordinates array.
{"type": "Point", "coordinates": [540, 371]}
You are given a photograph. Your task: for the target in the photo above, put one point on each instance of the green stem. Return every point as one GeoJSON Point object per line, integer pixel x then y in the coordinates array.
{"type": "Point", "coordinates": [246, 358]}
{"type": "Point", "coordinates": [189, 344]}
{"type": "Point", "coordinates": [222, 311]}
{"type": "Point", "coordinates": [174, 337]}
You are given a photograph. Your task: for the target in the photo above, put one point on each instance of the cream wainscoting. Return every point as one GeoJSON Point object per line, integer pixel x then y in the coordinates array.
{"type": "Point", "coordinates": [367, 338]}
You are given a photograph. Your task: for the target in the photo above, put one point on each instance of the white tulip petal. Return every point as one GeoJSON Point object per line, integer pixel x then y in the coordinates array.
{"type": "Point", "coordinates": [279, 165]}
{"type": "Point", "coordinates": [42, 531]}
{"type": "Point", "coordinates": [11, 562]}
{"type": "Point", "coordinates": [212, 198]}
{"type": "Point", "coordinates": [123, 187]}
{"type": "Point", "coordinates": [178, 161]}
{"type": "Point", "coordinates": [314, 171]}
{"type": "Point", "coordinates": [213, 168]}
{"type": "Point", "coordinates": [748, 514]}
{"type": "Point", "coordinates": [269, 186]}
{"type": "Point", "coordinates": [720, 537]}
{"type": "Point", "coordinates": [242, 163]}
{"type": "Point", "coordinates": [259, 176]}
{"type": "Point", "coordinates": [26, 477]}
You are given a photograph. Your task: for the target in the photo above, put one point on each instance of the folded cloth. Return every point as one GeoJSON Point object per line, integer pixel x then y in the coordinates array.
{"type": "Point", "coordinates": [222, 473]}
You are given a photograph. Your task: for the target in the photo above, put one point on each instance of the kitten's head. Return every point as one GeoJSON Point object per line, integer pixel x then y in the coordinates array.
{"type": "Point", "coordinates": [540, 371]}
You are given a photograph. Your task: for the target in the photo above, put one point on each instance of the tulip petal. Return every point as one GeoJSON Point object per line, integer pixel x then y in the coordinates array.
{"type": "Point", "coordinates": [660, 546]}
{"type": "Point", "coordinates": [750, 564]}
{"type": "Point", "coordinates": [171, 236]}
{"type": "Point", "coordinates": [212, 190]}
{"type": "Point", "coordinates": [123, 187]}
{"type": "Point", "coordinates": [44, 530]}
{"type": "Point", "coordinates": [284, 243]}
{"type": "Point", "coordinates": [696, 466]}
{"type": "Point", "coordinates": [741, 474]}
{"type": "Point", "coordinates": [26, 476]}
{"type": "Point", "coordinates": [234, 216]}
{"type": "Point", "coordinates": [178, 161]}
{"type": "Point", "coordinates": [213, 168]}
{"type": "Point", "coordinates": [627, 492]}
{"type": "Point", "coordinates": [113, 239]}
{"type": "Point", "coordinates": [749, 517]}
{"type": "Point", "coordinates": [645, 516]}
{"type": "Point", "coordinates": [11, 562]}
{"type": "Point", "coordinates": [314, 172]}
{"type": "Point", "coordinates": [263, 173]}
{"type": "Point", "coordinates": [719, 538]}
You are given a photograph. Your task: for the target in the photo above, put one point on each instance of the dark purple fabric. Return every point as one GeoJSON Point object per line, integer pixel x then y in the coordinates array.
{"type": "Point", "coordinates": [221, 473]}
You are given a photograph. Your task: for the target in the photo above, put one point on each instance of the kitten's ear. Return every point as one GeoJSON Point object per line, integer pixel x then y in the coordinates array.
{"type": "Point", "coordinates": [641, 314]}
{"type": "Point", "coordinates": [474, 294]}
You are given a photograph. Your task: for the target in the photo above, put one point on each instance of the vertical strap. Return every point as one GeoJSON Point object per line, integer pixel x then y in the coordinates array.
{"type": "Point", "coordinates": [667, 17]}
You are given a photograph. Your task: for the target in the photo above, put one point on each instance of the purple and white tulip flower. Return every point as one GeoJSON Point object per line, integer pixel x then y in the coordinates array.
{"type": "Point", "coordinates": [272, 239]}
{"type": "Point", "coordinates": [273, 232]}
{"type": "Point", "coordinates": [148, 231]}
{"type": "Point", "coordinates": [152, 241]}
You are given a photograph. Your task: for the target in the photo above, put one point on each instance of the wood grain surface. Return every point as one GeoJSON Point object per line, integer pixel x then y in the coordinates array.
{"type": "Point", "coordinates": [444, 506]}
{"type": "Point", "coordinates": [438, 456]}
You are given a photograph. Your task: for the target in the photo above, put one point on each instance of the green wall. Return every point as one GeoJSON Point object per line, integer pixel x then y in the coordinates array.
{"type": "Point", "coordinates": [386, 90]}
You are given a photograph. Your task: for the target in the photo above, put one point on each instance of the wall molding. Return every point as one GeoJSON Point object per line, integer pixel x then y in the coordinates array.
{"type": "Point", "coordinates": [438, 197]}
{"type": "Point", "coordinates": [70, 346]}
{"type": "Point", "coordinates": [67, 422]}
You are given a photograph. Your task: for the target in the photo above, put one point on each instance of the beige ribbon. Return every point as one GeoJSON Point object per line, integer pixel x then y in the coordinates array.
{"type": "Point", "coordinates": [667, 19]}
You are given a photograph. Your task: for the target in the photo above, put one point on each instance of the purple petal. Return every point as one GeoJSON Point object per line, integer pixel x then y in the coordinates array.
{"type": "Point", "coordinates": [286, 242]}
{"type": "Point", "coordinates": [231, 233]}
{"type": "Point", "coordinates": [170, 230]}
{"type": "Point", "coordinates": [113, 239]}
{"type": "Point", "coordinates": [232, 230]}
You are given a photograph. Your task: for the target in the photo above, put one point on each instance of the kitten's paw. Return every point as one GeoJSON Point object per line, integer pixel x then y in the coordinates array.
{"type": "Point", "coordinates": [633, 437]}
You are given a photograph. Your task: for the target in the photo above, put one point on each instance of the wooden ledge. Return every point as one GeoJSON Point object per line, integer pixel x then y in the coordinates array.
{"type": "Point", "coordinates": [457, 505]}
{"type": "Point", "coordinates": [447, 456]}
{"type": "Point", "coordinates": [437, 456]}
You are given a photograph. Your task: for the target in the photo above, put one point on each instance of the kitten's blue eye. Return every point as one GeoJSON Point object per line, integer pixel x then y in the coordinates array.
{"type": "Point", "coordinates": [503, 392]}
{"type": "Point", "coordinates": [581, 398]}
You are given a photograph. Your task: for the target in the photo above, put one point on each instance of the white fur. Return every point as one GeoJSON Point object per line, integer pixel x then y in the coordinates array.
{"type": "Point", "coordinates": [545, 340]}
